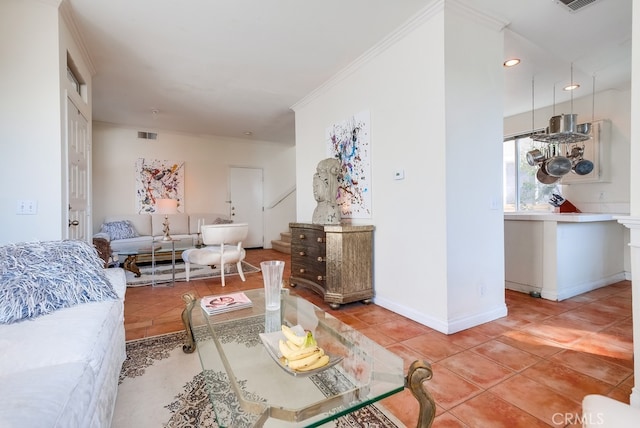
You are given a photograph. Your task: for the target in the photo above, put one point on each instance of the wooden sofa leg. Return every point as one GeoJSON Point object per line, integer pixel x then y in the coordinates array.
{"type": "Point", "coordinates": [420, 371]}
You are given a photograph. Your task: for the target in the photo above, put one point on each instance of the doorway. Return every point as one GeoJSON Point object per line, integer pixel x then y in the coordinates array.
{"type": "Point", "coordinates": [79, 173]}
{"type": "Point", "coordinates": [246, 202]}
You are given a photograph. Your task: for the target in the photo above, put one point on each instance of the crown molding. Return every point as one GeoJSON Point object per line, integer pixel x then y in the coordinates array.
{"type": "Point", "coordinates": [427, 13]}
{"type": "Point", "coordinates": [476, 15]}
{"type": "Point", "coordinates": [67, 15]}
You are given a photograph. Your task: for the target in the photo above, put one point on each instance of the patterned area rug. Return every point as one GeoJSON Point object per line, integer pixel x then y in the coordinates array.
{"type": "Point", "coordinates": [161, 386]}
{"type": "Point", "coordinates": [163, 273]}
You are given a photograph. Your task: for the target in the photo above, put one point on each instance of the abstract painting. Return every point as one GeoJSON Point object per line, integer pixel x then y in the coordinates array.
{"type": "Point", "coordinates": [349, 141]}
{"type": "Point", "coordinates": [158, 179]}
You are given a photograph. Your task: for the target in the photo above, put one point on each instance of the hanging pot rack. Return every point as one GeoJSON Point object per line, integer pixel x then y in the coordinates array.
{"type": "Point", "coordinates": [555, 162]}
{"type": "Point", "coordinates": [564, 128]}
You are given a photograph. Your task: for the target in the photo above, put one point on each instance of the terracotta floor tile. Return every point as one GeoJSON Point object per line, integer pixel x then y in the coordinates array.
{"type": "Point", "coordinates": [468, 338]}
{"type": "Point", "coordinates": [401, 329]}
{"type": "Point", "coordinates": [408, 355]}
{"type": "Point", "coordinates": [491, 329]}
{"type": "Point", "coordinates": [373, 315]}
{"type": "Point", "coordinates": [405, 406]}
{"type": "Point", "coordinates": [512, 323]}
{"type": "Point", "coordinates": [583, 319]}
{"type": "Point", "coordinates": [569, 382]}
{"type": "Point", "coordinates": [575, 346]}
{"type": "Point", "coordinates": [447, 420]}
{"type": "Point", "coordinates": [449, 389]}
{"type": "Point", "coordinates": [622, 329]}
{"type": "Point", "coordinates": [590, 365]}
{"type": "Point", "coordinates": [507, 355]}
{"type": "Point", "coordinates": [606, 346]}
{"type": "Point", "coordinates": [433, 347]}
{"type": "Point", "coordinates": [477, 369]}
{"type": "Point", "coordinates": [526, 313]}
{"type": "Point", "coordinates": [488, 410]}
{"type": "Point", "coordinates": [534, 398]}
{"type": "Point", "coordinates": [374, 334]}
{"type": "Point", "coordinates": [530, 343]}
{"type": "Point", "coordinates": [621, 393]}
{"type": "Point", "coordinates": [555, 332]}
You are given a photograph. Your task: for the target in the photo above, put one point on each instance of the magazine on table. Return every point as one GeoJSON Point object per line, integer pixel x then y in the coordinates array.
{"type": "Point", "coordinates": [225, 303]}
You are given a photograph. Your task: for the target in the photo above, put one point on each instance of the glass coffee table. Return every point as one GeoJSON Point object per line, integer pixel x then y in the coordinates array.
{"type": "Point", "coordinates": [249, 387]}
{"type": "Point", "coordinates": [151, 251]}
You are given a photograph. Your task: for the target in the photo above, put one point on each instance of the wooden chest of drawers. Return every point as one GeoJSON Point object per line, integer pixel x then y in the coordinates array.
{"type": "Point", "coordinates": [335, 261]}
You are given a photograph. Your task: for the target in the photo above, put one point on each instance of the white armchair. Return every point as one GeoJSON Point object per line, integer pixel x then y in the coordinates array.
{"type": "Point", "coordinates": [604, 412]}
{"type": "Point", "coordinates": [223, 245]}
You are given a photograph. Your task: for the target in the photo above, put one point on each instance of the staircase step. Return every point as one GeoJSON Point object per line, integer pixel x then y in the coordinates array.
{"type": "Point", "coordinates": [282, 246]}
{"type": "Point", "coordinates": [285, 237]}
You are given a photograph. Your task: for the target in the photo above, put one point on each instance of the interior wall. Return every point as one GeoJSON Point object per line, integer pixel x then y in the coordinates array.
{"type": "Point", "coordinates": [403, 85]}
{"type": "Point", "coordinates": [30, 129]}
{"type": "Point", "coordinates": [474, 79]}
{"type": "Point", "coordinates": [207, 161]}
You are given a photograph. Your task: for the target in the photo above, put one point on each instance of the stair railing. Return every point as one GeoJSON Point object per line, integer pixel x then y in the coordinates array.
{"type": "Point", "coordinates": [284, 196]}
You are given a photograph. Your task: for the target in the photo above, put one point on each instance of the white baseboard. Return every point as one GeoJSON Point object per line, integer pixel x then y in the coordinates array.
{"type": "Point", "coordinates": [443, 326]}
{"type": "Point", "coordinates": [567, 293]}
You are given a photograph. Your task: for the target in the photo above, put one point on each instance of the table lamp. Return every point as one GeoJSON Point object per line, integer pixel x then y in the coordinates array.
{"type": "Point", "coordinates": [166, 207]}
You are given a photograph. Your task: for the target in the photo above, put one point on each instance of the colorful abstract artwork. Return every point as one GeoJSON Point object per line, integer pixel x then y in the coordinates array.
{"type": "Point", "coordinates": [158, 179]}
{"type": "Point", "coordinates": [349, 141]}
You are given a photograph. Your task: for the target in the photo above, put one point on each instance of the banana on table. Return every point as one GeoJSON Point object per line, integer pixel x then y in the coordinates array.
{"type": "Point", "coordinates": [301, 353]}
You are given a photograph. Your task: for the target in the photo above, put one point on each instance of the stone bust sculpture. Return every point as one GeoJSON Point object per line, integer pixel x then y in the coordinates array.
{"type": "Point", "coordinates": [325, 192]}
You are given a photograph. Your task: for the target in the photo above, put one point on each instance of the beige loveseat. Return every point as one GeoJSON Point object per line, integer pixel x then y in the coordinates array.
{"type": "Point", "coordinates": [144, 228]}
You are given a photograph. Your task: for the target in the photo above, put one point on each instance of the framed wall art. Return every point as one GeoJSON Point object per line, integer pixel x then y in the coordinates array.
{"type": "Point", "coordinates": [158, 179]}
{"type": "Point", "coordinates": [350, 142]}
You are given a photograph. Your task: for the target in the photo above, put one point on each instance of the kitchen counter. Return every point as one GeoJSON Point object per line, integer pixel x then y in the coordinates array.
{"type": "Point", "coordinates": [559, 217]}
{"type": "Point", "coordinates": [561, 255]}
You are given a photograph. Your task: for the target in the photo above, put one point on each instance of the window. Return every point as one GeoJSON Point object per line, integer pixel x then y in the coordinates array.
{"type": "Point", "coordinates": [521, 190]}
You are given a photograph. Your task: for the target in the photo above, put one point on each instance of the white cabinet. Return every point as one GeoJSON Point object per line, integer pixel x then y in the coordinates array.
{"type": "Point", "coordinates": [562, 255]}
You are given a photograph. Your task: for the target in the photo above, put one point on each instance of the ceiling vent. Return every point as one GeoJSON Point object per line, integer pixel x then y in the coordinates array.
{"type": "Point", "coordinates": [148, 135]}
{"type": "Point", "coordinates": [575, 5]}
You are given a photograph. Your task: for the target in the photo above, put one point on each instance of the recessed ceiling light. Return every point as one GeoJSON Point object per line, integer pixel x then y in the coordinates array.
{"type": "Point", "coordinates": [511, 62]}
{"type": "Point", "coordinates": [571, 87]}
{"type": "Point", "coordinates": [248, 133]}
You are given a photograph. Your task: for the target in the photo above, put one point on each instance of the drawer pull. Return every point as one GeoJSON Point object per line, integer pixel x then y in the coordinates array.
{"type": "Point", "coordinates": [302, 253]}
{"type": "Point", "coordinates": [322, 259]}
{"type": "Point", "coordinates": [302, 271]}
{"type": "Point", "coordinates": [302, 236]}
{"type": "Point", "coordinates": [320, 278]}
{"type": "Point", "coordinates": [320, 239]}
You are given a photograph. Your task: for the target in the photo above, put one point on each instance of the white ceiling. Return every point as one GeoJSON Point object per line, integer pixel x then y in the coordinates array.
{"type": "Point", "coordinates": [226, 67]}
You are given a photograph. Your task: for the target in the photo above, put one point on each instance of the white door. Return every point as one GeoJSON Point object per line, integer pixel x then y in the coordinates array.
{"type": "Point", "coordinates": [245, 202]}
{"type": "Point", "coordinates": [78, 158]}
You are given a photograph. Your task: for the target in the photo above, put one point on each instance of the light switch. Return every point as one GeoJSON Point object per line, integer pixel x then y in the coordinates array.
{"type": "Point", "coordinates": [27, 207]}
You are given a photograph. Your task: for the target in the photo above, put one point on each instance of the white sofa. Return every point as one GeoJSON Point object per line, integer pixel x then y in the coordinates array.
{"type": "Point", "coordinates": [61, 369]}
{"type": "Point", "coordinates": [150, 226]}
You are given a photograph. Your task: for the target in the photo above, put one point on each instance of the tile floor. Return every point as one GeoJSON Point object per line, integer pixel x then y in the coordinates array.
{"type": "Point", "coordinates": [529, 369]}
